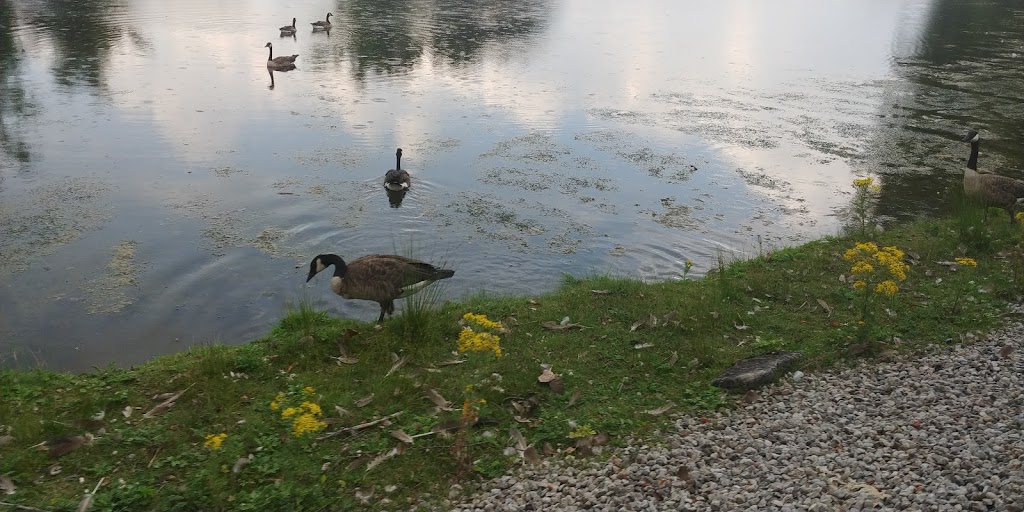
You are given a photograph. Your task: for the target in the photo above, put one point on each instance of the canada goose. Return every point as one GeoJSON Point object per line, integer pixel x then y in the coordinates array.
{"type": "Point", "coordinates": [283, 62]}
{"type": "Point", "coordinates": [322, 24]}
{"type": "Point", "coordinates": [288, 29]}
{"type": "Point", "coordinates": [397, 179]}
{"type": "Point", "coordinates": [991, 189]}
{"type": "Point", "coordinates": [378, 277]}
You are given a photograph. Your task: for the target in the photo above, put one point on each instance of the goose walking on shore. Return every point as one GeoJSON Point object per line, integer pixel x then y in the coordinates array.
{"type": "Point", "coordinates": [382, 278]}
{"type": "Point", "coordinates": [991, 189]}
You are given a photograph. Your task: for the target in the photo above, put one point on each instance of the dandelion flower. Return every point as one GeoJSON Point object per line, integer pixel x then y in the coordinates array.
{"type": "Point", "coordinates": [967, 262]}
{"type": "Point", "coordinates": [213, 441]}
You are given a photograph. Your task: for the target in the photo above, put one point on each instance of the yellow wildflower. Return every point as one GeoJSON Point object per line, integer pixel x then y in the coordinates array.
{"type": "Point", "coordinates": [1019, 217]}
{"type": "Point", "coordinates": [482, 321]}
{"type": "Point", "coordinates": [862, 182]}
{"type": "Point", "coordinates": [309, 390]}
{"type": "Point", "coordinates": [288, 413]}
{"type": "Point", "coordinates": [859, 285]}
{"type": "Point", "coordinates": [470, 341]}
{"type": "Point", "coordinates": [862, 267]}
{"type": "Point", "coordinates": [311, 408]}
{"type": "Point", "coordinates": [276, 402]}
{"type": "Point", "coordinates": [213, 441]}
{"type": "Point", "coordinates": [887, 288]}
{"type": "Point", "coordinates": [307, 423]}
{"type": "Point", "coordinates": [967, 262]}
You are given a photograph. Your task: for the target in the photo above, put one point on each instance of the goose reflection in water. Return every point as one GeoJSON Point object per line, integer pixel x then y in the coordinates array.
{"type": "Point", "coordinates": [271, 73]}
{"type": "Point", "coordinates": [395, 197]}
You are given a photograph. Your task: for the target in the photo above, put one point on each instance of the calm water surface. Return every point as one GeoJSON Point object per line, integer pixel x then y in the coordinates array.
{"type": "Point", "coordinates": [159, 188]}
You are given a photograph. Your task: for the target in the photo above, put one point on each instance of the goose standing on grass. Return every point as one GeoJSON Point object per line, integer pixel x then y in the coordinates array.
{"type": "Point", "coordinates": [378, 277]}
{"type": "Point", "coordinates": [282, 63]}
{"type": "Point", "coordinates": [397, 179]}
{"type": "Point", "coordinates": [322, 24]}
{"type": "Point", "coordinates": [991, 189]}
{"type": "Point", "coordinates": [288, 30]}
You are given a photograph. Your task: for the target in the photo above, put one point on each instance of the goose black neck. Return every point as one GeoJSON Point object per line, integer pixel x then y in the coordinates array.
{"type": "Point", "coordinates": [339, 264]}
{"type": "Point", "coordinates": [271, 55]}
{"type": "Point", "coordinates": [972, 163]}
{"type": "Point", "coordinates": [398, 161]}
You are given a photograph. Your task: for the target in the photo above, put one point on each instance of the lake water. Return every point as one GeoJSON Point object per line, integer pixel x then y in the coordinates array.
{"type": "Point", "coordinates": [159, 188]}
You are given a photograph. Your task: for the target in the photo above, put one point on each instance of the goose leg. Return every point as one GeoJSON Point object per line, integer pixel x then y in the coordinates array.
{"type": "Point", "coordinates": [386, 307]}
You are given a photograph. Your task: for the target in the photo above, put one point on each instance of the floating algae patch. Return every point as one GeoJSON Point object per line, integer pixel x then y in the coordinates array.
{"type": "Point", "coordinates": [433, 146]}
{"type": "Point", "coordinates": [675, 215]}
{"type": "Point", "coordinates": [533, 180]}
{"type": "Point", "coordinates": [225, 172]}
{"type": "Point", "coordinates": [268, 241]}
{"type": "Point", "coordinates": [525, 225]}
{"type": "Point", "coordinates": [667, 167]}
{"type": "Point", "coordinates": [343, 158]}
{"type": "Point", "coordinates": [535, 147]}
{"type": "Point", "coordinates": [39, 222]}
{"type": "Point", "coordinates": [109, 294]}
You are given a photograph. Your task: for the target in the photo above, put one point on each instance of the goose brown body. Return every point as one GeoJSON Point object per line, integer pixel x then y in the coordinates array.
{"type": "Point", "coordinates": [382, 278]}
{"type": "Point", "coordinates": [322, 24]}
{"type": "Point", "coordinates": [289, 29]}
{"type": "Point", "coordinates": [283, 62]}
{"type": "Point", "coordinates": [991, 189]}
{"type": "Point", "coordinates": [397, 178]}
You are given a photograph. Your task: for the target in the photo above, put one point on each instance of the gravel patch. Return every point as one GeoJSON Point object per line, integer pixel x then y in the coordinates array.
{"type": "Point", "coordinates": [935, 432]}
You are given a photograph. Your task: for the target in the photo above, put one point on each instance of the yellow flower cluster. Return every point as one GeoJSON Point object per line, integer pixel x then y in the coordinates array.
{"type": "Point", "coordinates": [480, 340]}
{"type": "Point", "coordinates": [213, 441]}
{"type": "Point", "coordinates": [471, 341]}
{"type": "Point", "coordinates": [866, 184]}
{"type": "Point", "coordinates": [482, 321]}
{"type": "Point", "coordinates": [864, 254]}
{"type": "Point", "coordinates": [967, 262]}
{"type": "Point", "coordinates": [305, 418]}
{"type": "Point", "coordinates": [275, 404]}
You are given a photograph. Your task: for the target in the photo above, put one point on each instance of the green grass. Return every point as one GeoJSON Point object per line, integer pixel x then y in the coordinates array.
{"type": "Point", "coordinates": [772, 302]}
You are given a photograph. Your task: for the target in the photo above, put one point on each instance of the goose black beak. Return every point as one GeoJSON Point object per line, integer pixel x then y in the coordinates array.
{"type": "Point", "coordinates": [311, 274]}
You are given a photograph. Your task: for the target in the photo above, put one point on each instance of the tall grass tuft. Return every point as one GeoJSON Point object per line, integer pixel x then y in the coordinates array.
{"type": "Point", "coordinates": [302, 316]}
{"type": "Point", "coordinates": [419, 321]}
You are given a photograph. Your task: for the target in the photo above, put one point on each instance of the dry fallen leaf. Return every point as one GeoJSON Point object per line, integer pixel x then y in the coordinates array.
{"type": "Point", "coordinates": [600, 439]}
{"type": "Point", "coordinates": [60, 446]}
{"type": "Point", "coordinates": [346, 360]}
{"type": "Point", "coordinates": [546, 375]}
{"type": "Point", "coordinates": [54, 470]}
{"type": "Point", "coordinates": [342, 412]}
{"type": "Point", "coordinates": [363, 402]}
{"type": "Point", "coordinates": [399, 362]}
{"type": "Point", "coordinates": [649, 321]}
{"type": "Point", "coordinates": [575, 396]}
{"type": "Point", "coordinates": [530, 455]}
{"type": "Point", "coordinates": [127, 412]}
{"type": "Point", "coordinates": [557, 386]}
{"type": "Point", "coordinates": [438, 400]}
{"type": "Point", "coordinates": [554, 326]}
{"type": "Point", "coordinates": [451, 362]}
{"type": "Point", "coordinates": [661, 410]}
{"type": "Point", "coordinates": [241, 463]}
{"type": "Point", "coordinates": [740, 326]}
{"type": "Point", "coordinates": [162, 407]}
{"type": "Point", "coordinates": [401, 436]}
{"type": "Point", "coordinates": [674, 359]}
{"type": "Point", "coordinates": [600, 292]}
{"type": "Point", "coordinates": [824, 305]}
{"type": "Point", "coordinates": [517, 436]}
{"type": "Point", "coordinates": [6, 439]}
{"type": "Point", "coordinates": [381, 458]}
{"type": "Point", "coordinates": [7, 486]}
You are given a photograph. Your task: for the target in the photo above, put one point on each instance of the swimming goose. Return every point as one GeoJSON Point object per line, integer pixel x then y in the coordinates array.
{"type": "Point", "coordinates": [288, 29]}
{"type": "Point", "coordinates": [991, 189]}
{"type": "Point", "coordinates": [322, 24]}
{"type": "Point", "coordinates": [378, 277]}
{"type": "Point", "coordinates": [283, 62]}
{"type": "Point", "coordinates": [397, 179]}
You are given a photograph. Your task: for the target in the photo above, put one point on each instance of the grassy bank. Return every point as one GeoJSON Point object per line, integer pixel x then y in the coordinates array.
{"type": "Point", "coordinates": [297, 408]}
